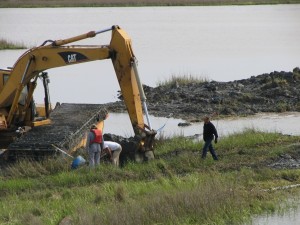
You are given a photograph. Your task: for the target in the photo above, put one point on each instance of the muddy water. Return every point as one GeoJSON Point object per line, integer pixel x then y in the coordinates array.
{"type": "Point", "coordinates": [286, 123]}
{"type": "Point", "coordinates": [284, 217]}
{"type": "Point", "coordinates": [289, 218]}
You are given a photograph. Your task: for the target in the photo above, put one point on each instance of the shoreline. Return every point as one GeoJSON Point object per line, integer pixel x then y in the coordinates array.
{"type": "Point", "coordinates": [274, 92]}
{"type": "Point", "coordinates": [135, 3]}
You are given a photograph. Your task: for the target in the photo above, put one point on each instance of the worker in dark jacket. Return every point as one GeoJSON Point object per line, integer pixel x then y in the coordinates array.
{"type": "Point", "coordinates": [209, 134]}
{"type": "Point", "coordinates": [94, 145]}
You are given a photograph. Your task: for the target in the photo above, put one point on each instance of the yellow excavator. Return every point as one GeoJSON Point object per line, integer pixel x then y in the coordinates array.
{"type": "Point", "coordinates": [27, 129]}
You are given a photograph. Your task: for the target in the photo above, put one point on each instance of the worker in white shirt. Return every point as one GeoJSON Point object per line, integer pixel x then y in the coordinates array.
{"type": "Point", "coordinates": [114, 149]}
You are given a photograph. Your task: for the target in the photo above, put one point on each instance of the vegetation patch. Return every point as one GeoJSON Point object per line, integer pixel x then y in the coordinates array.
{"type": "Point", "coordinates": [178, 187]}
{"type": "Point", "coordinates": [4, 44]}
{"type": "Point", "coordinates": [179, 80]}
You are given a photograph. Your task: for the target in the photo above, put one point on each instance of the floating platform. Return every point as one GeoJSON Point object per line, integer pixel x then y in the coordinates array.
{"type": "Point", "coordinates": [67, 130]}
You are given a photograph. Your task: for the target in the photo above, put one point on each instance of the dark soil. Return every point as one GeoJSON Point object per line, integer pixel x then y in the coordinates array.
{"type": "Point", "coordinates": [270, 92]}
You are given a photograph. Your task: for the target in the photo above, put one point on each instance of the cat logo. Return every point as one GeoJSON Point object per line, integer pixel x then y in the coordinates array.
{"type": "Point", "coordinates": [72, 57]}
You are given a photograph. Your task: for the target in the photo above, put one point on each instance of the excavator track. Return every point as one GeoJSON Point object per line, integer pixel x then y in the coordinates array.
{"type": "Point", "coordinates": [68, 127]}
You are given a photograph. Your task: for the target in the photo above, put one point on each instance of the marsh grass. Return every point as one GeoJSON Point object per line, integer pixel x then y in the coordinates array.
{"type": "Point", "coordinates": [4, 44]}
{"type": "Point", "coordinates": [175, 204]}
{"type": "Point", "coordinates": [179, 80]}
{"type": "Point", "coordinates": [176, 188]}
{"type": "Point", "coordinates": [34, 169]}
{"type": "Point", "coordinates": [175, 145]}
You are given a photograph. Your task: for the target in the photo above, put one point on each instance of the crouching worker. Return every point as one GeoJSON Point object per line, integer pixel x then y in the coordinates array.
{"type": "Point", "coordinates": [114, 149]}
{"type": "Point", "coordinates": [94, 145]}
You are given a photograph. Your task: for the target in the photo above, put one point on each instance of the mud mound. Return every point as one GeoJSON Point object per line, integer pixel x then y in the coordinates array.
{"type": "Point", "coordinates": [273, 92]}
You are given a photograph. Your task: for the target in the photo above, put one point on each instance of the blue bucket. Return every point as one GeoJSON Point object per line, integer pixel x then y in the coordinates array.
{"type": "Point", "coordinates": [78, 161]}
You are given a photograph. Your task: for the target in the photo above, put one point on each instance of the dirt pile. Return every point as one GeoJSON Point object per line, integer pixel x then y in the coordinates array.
{"type": "Point", "coordinates": [273, 92]}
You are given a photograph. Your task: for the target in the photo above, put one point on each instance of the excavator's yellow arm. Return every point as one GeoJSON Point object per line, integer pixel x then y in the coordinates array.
{"type": "Point", "coordinates": [18, 83]}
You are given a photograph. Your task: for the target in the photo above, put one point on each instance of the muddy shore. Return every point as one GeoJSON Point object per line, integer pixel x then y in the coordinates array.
{"type": "Point", "coordinates": [269, 92]}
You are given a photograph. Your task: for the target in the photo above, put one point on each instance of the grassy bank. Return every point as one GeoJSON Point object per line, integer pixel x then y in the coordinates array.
{"type": "Point", "coordinates": [176, 188]}
{"type": "Point", "coordinates": [118, 3]}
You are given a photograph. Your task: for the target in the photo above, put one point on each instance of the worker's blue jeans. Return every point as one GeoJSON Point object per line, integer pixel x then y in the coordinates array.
{"type": "Point", "coordinates": [208, 146]}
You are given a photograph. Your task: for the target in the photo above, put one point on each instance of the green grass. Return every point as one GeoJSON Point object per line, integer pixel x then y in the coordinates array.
{"type": "Point", "coordinates": [178, 80]}
{"type": "Point", "coordinates": [4, 44]}
{"type": "Point", "coordinates": [176, 188]}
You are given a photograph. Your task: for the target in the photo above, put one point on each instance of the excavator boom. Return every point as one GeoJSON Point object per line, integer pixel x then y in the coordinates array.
{"type": "Point", "coordinates": [19, 82]}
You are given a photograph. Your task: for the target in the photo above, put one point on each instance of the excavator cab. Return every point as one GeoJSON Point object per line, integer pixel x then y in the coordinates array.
{"type": "Point", "coordinates": [4, 75]}
{"type": "Point", "coordinates": [23, 117]}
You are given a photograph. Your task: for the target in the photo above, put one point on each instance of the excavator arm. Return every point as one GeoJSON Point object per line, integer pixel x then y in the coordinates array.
{"type": "Point", "coordinates": [15, 102]}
